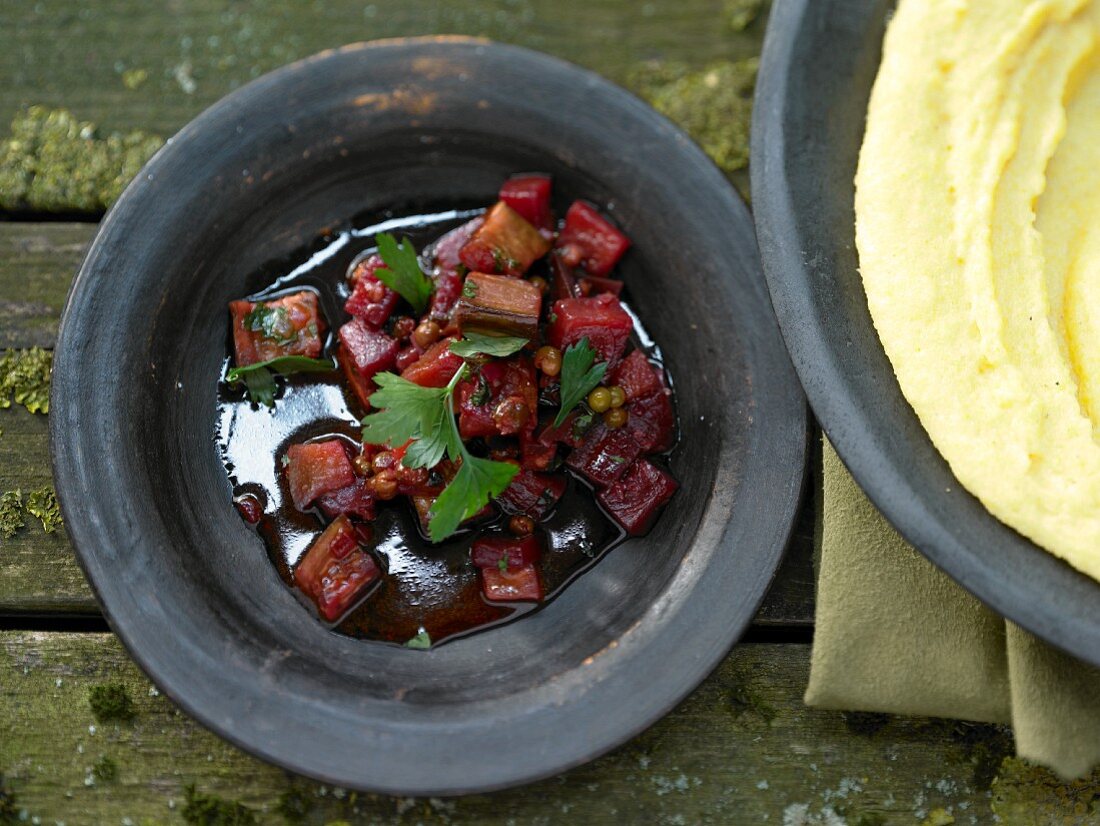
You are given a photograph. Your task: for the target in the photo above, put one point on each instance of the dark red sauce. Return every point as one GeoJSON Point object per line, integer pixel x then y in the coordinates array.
{"type": "Point", "coordinates": [424, 587]}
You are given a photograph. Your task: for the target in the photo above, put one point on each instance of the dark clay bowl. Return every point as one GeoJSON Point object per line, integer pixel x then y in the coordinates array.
{"type": "Point", "coordinates": [189, 588]}
{"type": "Point", "coordinates": [820, 61]}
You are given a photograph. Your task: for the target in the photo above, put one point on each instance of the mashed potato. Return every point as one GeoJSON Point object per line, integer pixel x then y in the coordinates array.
{"type": "Point", "coordinates": [978, 228]}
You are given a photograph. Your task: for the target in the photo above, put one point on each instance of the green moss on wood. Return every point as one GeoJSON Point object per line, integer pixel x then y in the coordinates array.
{"type": "Point", "coordinates": [211, 810]}
{"type": "Point", "coordinates": [294, 805]}
{"type": "Point", "coordinates": [105, 770]}
{"type": "Point", "coordinates": [11, 513]}
{"type": "Point", "coordinates": [42, 503]}
{"type": "Point", "coordinates": [1025, 793]}
{"type": "Point", "coordinates": [54, 162]}
{"type": "Point", "coordinates": [743, 13]}
{"type": "Point", "coordinates": [111, 702]}
{"type": "Point", "coordinates": [714, 106]}
{"type": "Point", "coordinates": [25, 379]}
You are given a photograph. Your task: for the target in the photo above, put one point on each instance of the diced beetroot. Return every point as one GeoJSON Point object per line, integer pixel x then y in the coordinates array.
{"type": "Point", "coordinates": [634, 500]}
{"type": "Point", "coordinates": [506, 243]}
{"type": "Point", "coordinates": [447, 248]}
{"type": "Point", "coordinates": [513, 585]}
{"type": "Point", "coordinates": [570, 432]}
{"type": "Point", "coordinates": [498, 305]}
{"type": "Point", "coordinates": [489, 550]}
{"type": "Point", "coordinates": [588, 239]}
{"type": "Point", "coordinates": [370, 300]}
{"type": "Point", "coordinates": [371, 351]}
{"type": "Point", "coordinates": [407, 357]}
{"type": "Point", "coordinates": [448, 288]}
{"type": "Point", "coordinates": [361, 387]}
{"type": "Point", "coordinates": [529, 195]}
{"type": "Point", "coordinates": [335, 572]}
{"type": "Point", "coordinates": [533, 494]}
{"type": "Point", "coordinates": [637, 377]}
{"type": "Point", "coordinates": [591, 285]}
{"type": "Point", "coordinates": [436, 367]}
{"type": "Point", "coordinates": [355, 499]}
{"type": "Point", "coordinates": [602, 320]}
{"type": "Point", "coordinates": [535, 455]}
{"type": "Point", "coordinates": [509, 396]}
{"type": "Point", "coordinates": [563, 281]}
{"type": "Point", "coordinates": [317, 468]}
{"type": "Point", "coordinates": [652, 422]}
{"type": "Point", "coordinates": [605, 454]}
{"type": "Point", "coordinates": [287, 326]}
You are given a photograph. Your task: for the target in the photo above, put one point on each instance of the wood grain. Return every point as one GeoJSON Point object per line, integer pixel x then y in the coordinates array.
{"type": "Point", "coordinates": [741, 749]}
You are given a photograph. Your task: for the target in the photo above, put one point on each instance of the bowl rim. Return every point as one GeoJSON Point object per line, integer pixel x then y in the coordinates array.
{"type": "Point", "coordinates": [948, 526]}
{"type": "Point", "coordinates": [86, 531]}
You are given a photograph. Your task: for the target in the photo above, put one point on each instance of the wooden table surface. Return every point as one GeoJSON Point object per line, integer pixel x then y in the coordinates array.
{"type": "Point", "coordinates": [742, 749]}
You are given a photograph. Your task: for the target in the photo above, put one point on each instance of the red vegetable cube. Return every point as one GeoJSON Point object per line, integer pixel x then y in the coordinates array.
{"type": "Point", "coordinates": [604, 455]}
{"type": "Point", "coordinates": [589, 240]}
{"type": "Point", "coordinates": [335, 572]}
{"type": "Point", "coordinates": [502, 399]}
{"type": "Point", "coordinates": [634, 500]}
{"type": "Point", "coordinates": [513, 585]}
{"type": "Point", "coordinates": [652, 422]}
{"type": "Point", "coordinates": [361, 387]}
{"type": "Point", "coordinates": [436, 367]}
{"type": "Point", "coordinates": [355, 500]}
{"type": "Point", "coordinates": [448, 246]}
{"type": "Point", "coordinates": [370, 300]}
{"type": "Point", "coordinates": [529, 195]}
{"type": "Point", "coordinates": [370, 351]}
{"type": "Point", "coordinates": [602, 320]}
{"type": "Point", "coordinates": [637, 377]}
{"type": "Point", "coordinates": [489, 550]}
{"type": "Point", "coordinates": [506, 243]}
{"type": "Point", "coordinates": [287, 326]}
{"type": "Point", "coordinates": [535, 455]}
{"type": "Point", "coordinates": [570, 432]}
{"type": "Point", "coordinates": [563, 280]}
{"type": "Point", "coordinates": [316, 468]}
{"type": "Point", "coordinates": [532, 494]}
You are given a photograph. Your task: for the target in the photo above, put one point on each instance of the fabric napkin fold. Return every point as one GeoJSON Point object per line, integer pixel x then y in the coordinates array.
{"type": "Point", "coordinates": [893, 634]}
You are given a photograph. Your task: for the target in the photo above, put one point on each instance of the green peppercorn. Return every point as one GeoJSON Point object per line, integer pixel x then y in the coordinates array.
{"type": "Point", "coordinates": [599, 399]}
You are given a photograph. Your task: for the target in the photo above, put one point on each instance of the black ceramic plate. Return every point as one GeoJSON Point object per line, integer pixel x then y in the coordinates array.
{"type": "Point", "coordinates": [188, 587]}
{"type": "Point", "coordinates": [820, 61]}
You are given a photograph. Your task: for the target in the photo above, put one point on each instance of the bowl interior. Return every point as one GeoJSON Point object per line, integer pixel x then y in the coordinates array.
{"type": "Point", "coordinates": [396, 128]}
{"type": "Point", "coordinates": [820, 62]}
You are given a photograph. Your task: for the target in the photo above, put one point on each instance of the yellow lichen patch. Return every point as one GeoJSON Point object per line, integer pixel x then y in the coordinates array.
{"type": "Point", "coordinates": [25, 378]}
{"type": "Point", "coordinates": [1024, 793]}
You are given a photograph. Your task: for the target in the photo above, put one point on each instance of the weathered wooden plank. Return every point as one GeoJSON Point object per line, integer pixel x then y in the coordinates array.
{"type": "Point", "coordinates": [38, 573]}
{"type": "Point", "coordinates": [37, 264]}
{"type": "Point", "coordinates": [118, 64]}
{"type": "Point", "coordinates": [742, 749]}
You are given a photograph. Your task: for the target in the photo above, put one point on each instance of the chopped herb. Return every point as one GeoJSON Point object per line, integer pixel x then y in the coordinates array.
{"type": "Point", "coordinates": [498, 259]}
{"type": "Point", "coordinates": [211, 810]}
{"type": "Point", "coordinates": [482, 394]}
{"type": "Point", "coordinates": [260, 383]}
{"type": "Point", "coordinates": [42, 503]}
{"type": "Point", "coordinates": [462, 269]}
{"type": "Point", "coordinates": [105, 770]}
{"type": "Point", "coordinates": [111, 701]}
{"type": "Point", "coordinates": [473, 344]}
{"type": "Point", "coordinates": [425, 415]}
{"type": "Point", "coordinates": [285, 460]}
{"type": "Point", "coordinates": [11, 513]}
{"type": "Point", "coordinates": [578, 376]}
{"type": "Point", "coordinates": [421, 642]}
{"type": "Point", "coordinates": [25, 378]}
{"type": "Point", "coordinates": [402, 272]}
{"type": "Point", "coordinates": [272, 322]}
{"type": "Point", "coordinates": [502, 563]}
{"type": "Point", "coordinates": [469, 289]}
{"type": "Point", "coordinates": [553, 317]}
{"type": "Point", "coordinates": [582, 424]}
{"type": "Point", "coordinates": [619, 460]}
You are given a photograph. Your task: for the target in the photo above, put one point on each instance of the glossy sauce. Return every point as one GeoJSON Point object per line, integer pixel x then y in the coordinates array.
{"type": "Point", "coordinates": [424, 587]}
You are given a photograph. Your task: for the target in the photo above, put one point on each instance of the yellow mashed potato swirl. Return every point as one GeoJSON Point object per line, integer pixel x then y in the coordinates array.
{"type": "Point", "coordinates": [978, 229]}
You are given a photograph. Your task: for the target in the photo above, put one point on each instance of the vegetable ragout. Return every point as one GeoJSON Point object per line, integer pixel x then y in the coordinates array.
{"type": "Point", "coordinates": [512, 416]}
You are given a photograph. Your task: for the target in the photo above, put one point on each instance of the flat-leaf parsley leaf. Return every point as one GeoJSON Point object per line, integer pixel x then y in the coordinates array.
{"type": "Point", "coordinates": [402, 272]}
{"type": "Point", "coordinates": [475, 344]}
{"type": "Point", "coordinates": [578, 376]}
{"type": "Point", "coordinates": [260, 383]}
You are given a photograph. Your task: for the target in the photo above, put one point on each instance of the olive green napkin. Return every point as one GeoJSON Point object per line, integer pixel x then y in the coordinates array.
{"type": "Point", "coordinates": [894, 634]}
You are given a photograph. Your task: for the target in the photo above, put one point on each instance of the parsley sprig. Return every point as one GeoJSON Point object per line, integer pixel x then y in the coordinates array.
{"type": "Point", "coordinates": [426, 416]}
{"type": "Point", "coordinates": [273, 322]}
{"type": "Point", "coordinates": [578, 376]}
{"type": "Point", "coordinates": [259, 381]}
{"type": "Point", "coordinates": [402, 272]}
{"type": "Point", "coordinates": [474, 344]}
